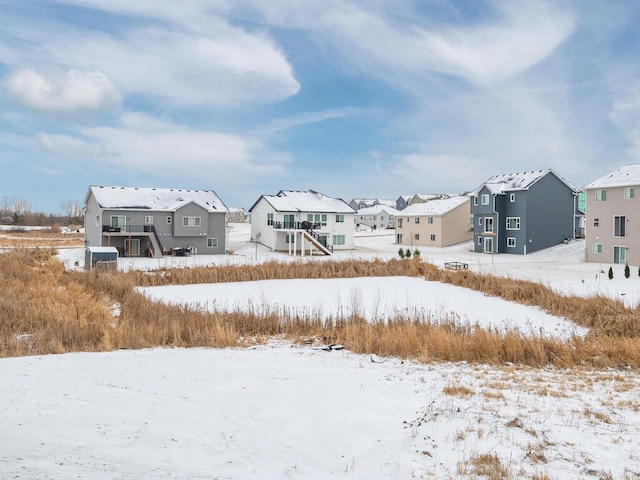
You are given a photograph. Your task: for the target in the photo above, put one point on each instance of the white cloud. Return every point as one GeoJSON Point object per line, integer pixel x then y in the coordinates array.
{"type": "Point", "coordinates": [67, 92]}
{"type": "Point", "coordinates": [159, 147]}
{"type": "Point", "coordinates": [307, 118]}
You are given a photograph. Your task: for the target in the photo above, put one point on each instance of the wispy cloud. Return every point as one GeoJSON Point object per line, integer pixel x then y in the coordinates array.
{"type": "Point", "coordinates": [307, 118]}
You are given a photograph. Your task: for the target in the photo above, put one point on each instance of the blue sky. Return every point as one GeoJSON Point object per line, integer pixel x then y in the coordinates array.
{"type": "Point", "coordinates": [371, 98]}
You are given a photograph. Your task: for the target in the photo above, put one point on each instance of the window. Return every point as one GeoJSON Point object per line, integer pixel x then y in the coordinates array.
{"type": "Point", "coordinates": [148, 219]}
{"type": "Point", "coordinates": [399, 223]}
{"type": "Point", "coordinates": [169, 219]}
{"type": "Point", "coordinates": [596, 248]}
{"type": "Point", "coordinates": [338, 239]}
{"type": "Point", "coordinates": [596, 222]}
{"type": "Point", "coordinates": [212, 243]}
{"type": "Point", "coordinates": [488, 224]}
{"type": "Point", "coordinates": [511, 242]}
{"type": "Point", "coordinates": [340, 218]}
{"type": "Point", "coordinates": [269, 218]}
{"type": "Point", "coordinates": [484, 200]}
{"type": "Point", "coordinates": [190, 221]}
{"type": "Point", "coordinates": [513, 223]}
{"type": "Point", "coordinates": [619, 254]}
{"type": "Point", "coordinates": [629, 192]}
{"type": "Point", "coordinates": [417, 220]}
{"type": "Point", "coordinates": [475, 200]}
{"type": "Point", "coordinates": [619, 226]}
{"type": "Point", "coordinates": [433, 237]}
{"type": "Point", "coordinates": [288, 238]}
{"type": "Point", "coordinates": [479, 240]}
{"type": "Point", "coordinates": [430, 220]}
{"type": "Point", "coordinates": [601, 195]}
{"type": "Point", "coordinates": [416, 236]}
{"type": "Point", "coordinates": [512, 198]}
{"type": "Point", "coordinates": [479, 220]}
{"type": "Point", "coordinates": [324, 219]}
{"type": "Point", "coordinates": [399, 238]}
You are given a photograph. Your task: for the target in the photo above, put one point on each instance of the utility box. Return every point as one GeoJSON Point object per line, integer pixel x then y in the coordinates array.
{"type": "Point", "coordinates": [105, 258]}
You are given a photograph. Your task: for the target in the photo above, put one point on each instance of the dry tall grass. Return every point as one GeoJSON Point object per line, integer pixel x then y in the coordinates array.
{"type": "Point", "coordinates": [44, 309]}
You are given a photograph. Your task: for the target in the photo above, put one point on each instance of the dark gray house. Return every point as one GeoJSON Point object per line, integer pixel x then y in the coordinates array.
{"type": "Point", "coordinates": [152, 222]}
{"type": "Point", "coordinates": [523, 212]}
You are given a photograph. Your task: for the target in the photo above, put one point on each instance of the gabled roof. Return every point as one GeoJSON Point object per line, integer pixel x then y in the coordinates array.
{"type": "Point", "coordinates": [513, 182]}
{"type": "Point", "coordinates": [305, 201]}
{"type": "Point", "coordinates": [434, 207]}
{"type": "Point", "coordinates": [629, 175]}
{"type": "Point", "coordinates": [426, 197]}
{"type": "Point", "coordinates": [156, 199]}
{"type": "Point", "coordinates": [376, 209]}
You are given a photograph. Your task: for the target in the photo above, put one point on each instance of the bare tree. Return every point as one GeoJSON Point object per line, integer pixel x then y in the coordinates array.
{"type": "Point", "coordinates": [73, 211]}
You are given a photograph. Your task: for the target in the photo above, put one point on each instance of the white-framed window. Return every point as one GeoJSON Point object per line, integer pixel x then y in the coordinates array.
{"type": "Point", "coordinates": [475, 200]}
{"type": "Point", "coordinates": [416, 220]}
{"type": "Point", "coordinates": [399, 237]}
{"type": "Point", "coordinates": [619, 226]}
{"type": "Point", "coordinates": [416, 236]}
{"type": "Point", "coordinates": [433, 237]}
{"type": "Point", "coordinates": [169, 219]}
{"type": "Point", "coordinates": [484, 199]}
{"type": "Point", "coordinates": [288, 238]}
{"type": "Point", "coordinates": [430, 220]}
{"type": "Point", "coordinates": [399, 223]}
{"type": "Point", "coordinates": [479, 240]}
{"type": "Point", "coordinates": [511, 242]}
{"type": "Point", "coordinates": [513, 223]}
{"type": "Point", "coordinates": [190, 221]}
{"type": "Point", "coordinates": [479, 220]}
{"type": "Point", "coordinates": [629, 193]}
{"type": "Point", "coordinates": [148, 219]}
{"type": "Point", "coordinates": [269, 218]}
{"type": "Point", "coordinates": [596, 222]}
{"type": "Point", "coordinates": [212, 243]}
{"type": "Point", "coordinates": [512, 197]}
{"type": "Point", "coordinates": [601, 195]}
{"type": "Point", "coordinates": [596, 248]}
{"type": "Point", "coordinates": [338, 239]}
{"type": "Point", "coordinates": [324, 220]}
{"type": "Point", "coordinates": [340, 218]}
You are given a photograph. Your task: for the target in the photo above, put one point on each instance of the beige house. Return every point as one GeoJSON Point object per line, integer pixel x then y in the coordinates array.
{"type": "Point", "coordinates": [435, 223]}
{"type": "Point", "coordinates": [612, 230]}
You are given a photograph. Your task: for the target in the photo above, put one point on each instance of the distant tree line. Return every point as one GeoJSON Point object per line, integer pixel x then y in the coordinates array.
{"type": "Point", "coordinates": [17, 211]}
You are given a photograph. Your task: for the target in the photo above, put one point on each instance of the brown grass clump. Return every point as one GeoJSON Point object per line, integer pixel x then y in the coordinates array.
{"type": "Point", "coordinates": [485, 465]}
{"type": "Point", "coordinates": [44, 309]}
{"type": "Point", "coordinates": [458, 391]}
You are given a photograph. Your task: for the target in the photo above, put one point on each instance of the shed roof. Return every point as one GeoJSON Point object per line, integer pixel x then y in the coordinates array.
{"type": "Point", "coordinates": [305, 201]}
{"type": "Point", "coordinates": [157, 199]}
{"type": "Point", "coordinates": [627, 175]}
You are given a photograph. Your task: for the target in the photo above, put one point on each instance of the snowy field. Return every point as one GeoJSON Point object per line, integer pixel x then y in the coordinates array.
{"type": "Point", "coordinates": [374, 299]}
{"type": "Point", "coordinates": [276, 412]}
{"type": "Point", "coordinates": [280, 411]}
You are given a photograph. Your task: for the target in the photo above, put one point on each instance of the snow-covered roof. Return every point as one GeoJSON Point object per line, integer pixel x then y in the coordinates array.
{"type": "Point", "coordinates": [376, 209]}
{"type": "Point", "coordinates": [628, 175]}
{"type": "Point", "coordinates": [434, 207]}
{"type": "Point", "coordinates": [511, 182]}
{"type": "Point", "coordinates": [305, 201]}
{"type": "Point", "coordinates": [387, 202]}
{"type": "Point", "coordinates": [430, 196]}
{"type": "Point", "coordinates": [103, 249]}
{"type": "Point", "coordinates": [157, 199]}
{"type": "Point", "coordinates": [236, 210]}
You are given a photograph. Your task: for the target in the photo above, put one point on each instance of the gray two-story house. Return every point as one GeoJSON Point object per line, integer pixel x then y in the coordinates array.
{"type": "Point", "coordinates": [524, 212]}
{"type": "Point", "coordinates": [153, 222]}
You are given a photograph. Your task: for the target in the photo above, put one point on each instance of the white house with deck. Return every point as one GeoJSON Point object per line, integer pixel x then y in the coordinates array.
{"type": "Point", "coordinates": [302, 223]}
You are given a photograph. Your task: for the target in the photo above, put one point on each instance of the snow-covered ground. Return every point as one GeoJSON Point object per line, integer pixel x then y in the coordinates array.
{"type": "Point", "coordinates": [371, 298]}
{"type": "Point", "coordinates": [278, 411]}
{"type": "Point", "coordinates": [282, 411]}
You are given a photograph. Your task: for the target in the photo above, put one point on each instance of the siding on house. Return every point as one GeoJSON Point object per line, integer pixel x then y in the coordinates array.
{"type": "Point", "coordinates": [605, 243]}
{"type": "Point", "coordinates": [144, 210]}
{"type": "Point", "coordinates": [440, 223]}
{"type": "Point", "coordinates": [296, 206]}
{"type": "Point", "coordinates": [525, 212]}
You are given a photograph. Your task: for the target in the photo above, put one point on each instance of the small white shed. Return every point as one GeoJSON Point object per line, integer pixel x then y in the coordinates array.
{"type": "Point", "coordinates": [101, 257]}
